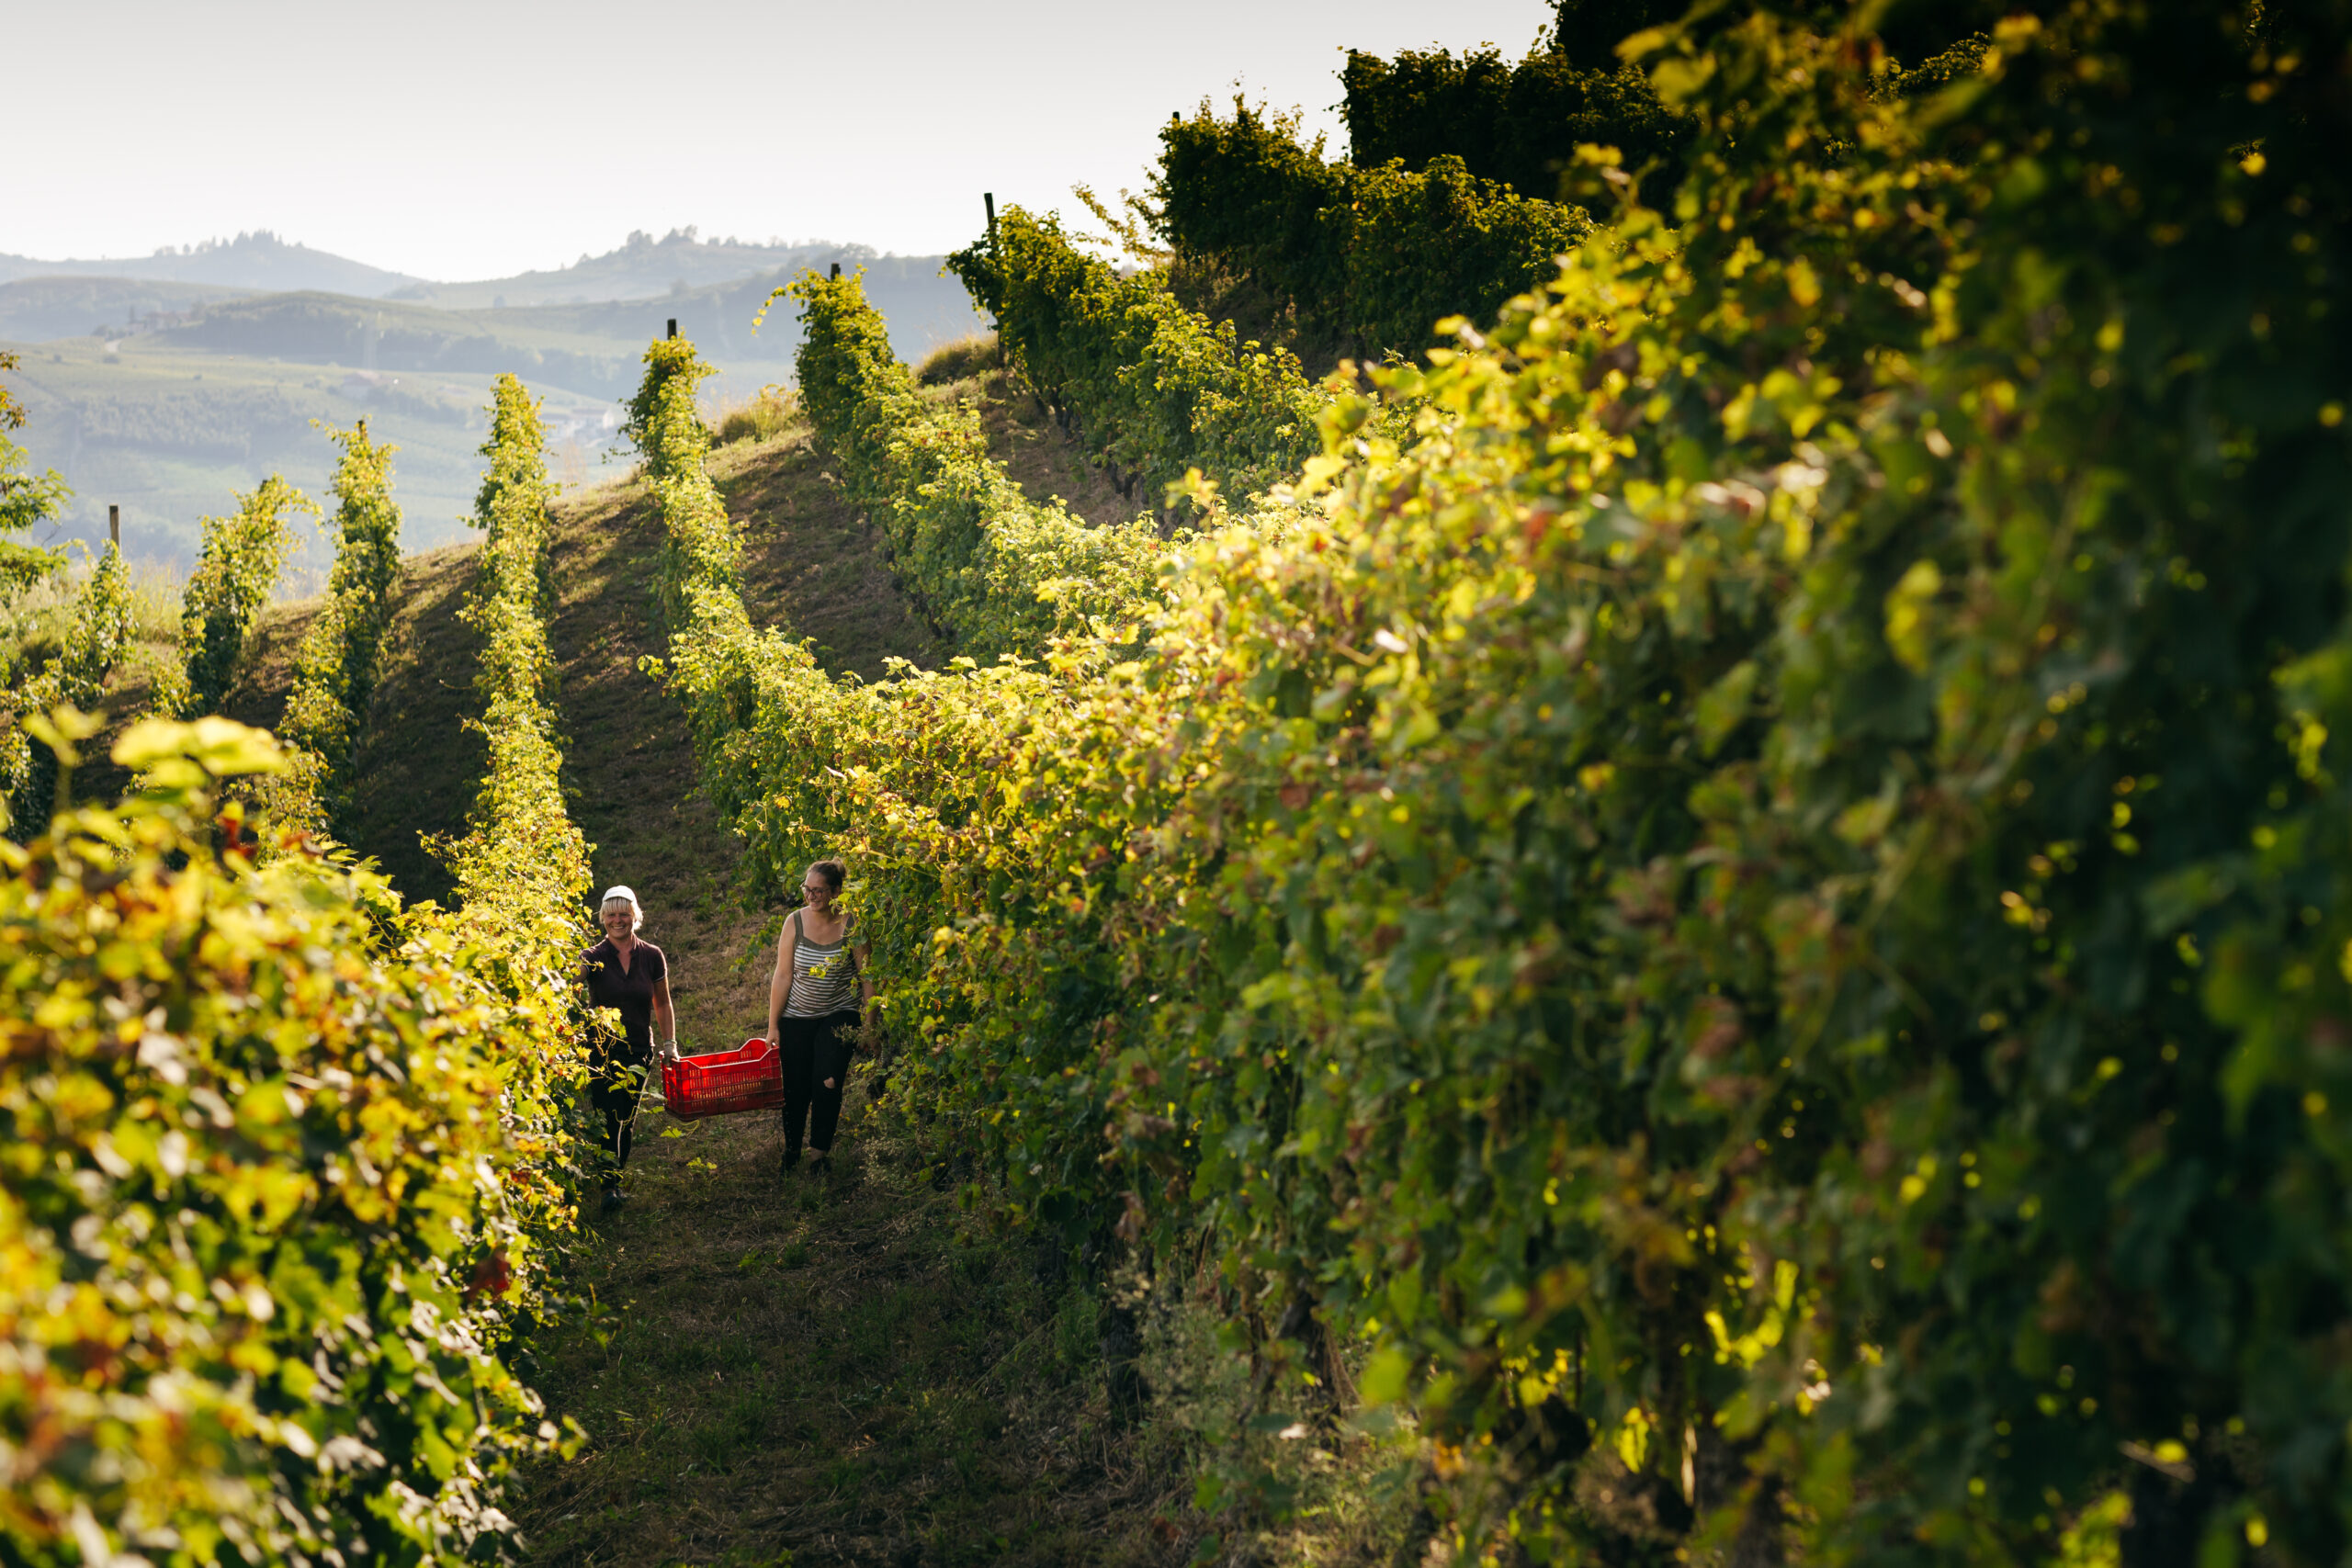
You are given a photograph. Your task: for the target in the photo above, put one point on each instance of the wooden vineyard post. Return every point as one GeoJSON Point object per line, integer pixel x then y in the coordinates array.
{"type": "Point", "coordinates": [988, 199]}
{"type": "Point", "coordinates": [674, 326]}
{"type": "Point", "coordinates": [836, 273]}
{"type": "Point", "coordinates": [114, 524]}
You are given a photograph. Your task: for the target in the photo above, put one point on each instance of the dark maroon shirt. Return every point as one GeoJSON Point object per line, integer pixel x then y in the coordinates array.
{"type": "Point", "coordinates": [632, 990]}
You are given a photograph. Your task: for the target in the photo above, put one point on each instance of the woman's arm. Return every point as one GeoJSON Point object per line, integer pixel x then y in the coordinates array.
{"type": "Point", "coordinates": [665, 1017]}
{"type": "Point", "coordinates": [780, 984]}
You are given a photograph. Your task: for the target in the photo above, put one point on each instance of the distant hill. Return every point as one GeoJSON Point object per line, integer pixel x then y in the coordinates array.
{"type": "Point", "coordinates": [34, 309]}
{"type": "Point", "coordinates": [171, 434]}
{"type": "Point", "coordinates": [395, 336]}
{"type": "Point", "coordinates": [168, 421]}
{"type": "Point", "coordinates": [643, 268]}
{"type": "Point", "coordinates": [258, 260]}
{"type": "Point", "coordinates": [592, 349]}
{"type": "Point", "coordinates": [922, 309]}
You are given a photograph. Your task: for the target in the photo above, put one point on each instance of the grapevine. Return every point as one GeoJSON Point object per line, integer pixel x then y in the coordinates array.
{"type": "Point", "coordinates": [1374, 257]}
{"type": "Point", "coordinates": [1157, 390]}
{"type": "Point", "coordinates": [335, 665]}
{"type": "Point", "coordinates": [97, 634]}
{"type": "Point", "coordinates": [523, 870]}
{"type": "Point", "coordinates": [237, 567]}
{"type": "Point", "coordinates": [264, 1214]}
{"type": "Point", "coordinates": [304, 1200]}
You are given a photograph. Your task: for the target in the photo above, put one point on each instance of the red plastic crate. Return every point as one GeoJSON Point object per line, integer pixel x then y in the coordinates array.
{"type": "Point", "coordinates": [749, 1078]}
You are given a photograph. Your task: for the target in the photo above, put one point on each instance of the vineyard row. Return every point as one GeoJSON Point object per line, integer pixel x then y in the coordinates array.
{"type": "Point", "coordinates": [1732, 913]}
{"type": "Point", "coordinates": [286, 1154]}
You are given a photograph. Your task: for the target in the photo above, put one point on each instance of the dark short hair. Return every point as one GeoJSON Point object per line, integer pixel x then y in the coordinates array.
{"type": "Point", "coordinates": [832, 870]}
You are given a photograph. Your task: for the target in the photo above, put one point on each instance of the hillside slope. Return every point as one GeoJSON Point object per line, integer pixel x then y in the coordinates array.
{"type": "Point", "coordinates": [810, 564]}
{"type": "Point", "coordinates": [1041, 458]}
{"type": "Point", "coordinates": [171, 434]}
{"type": "Point", "coordinates": [35, 310]}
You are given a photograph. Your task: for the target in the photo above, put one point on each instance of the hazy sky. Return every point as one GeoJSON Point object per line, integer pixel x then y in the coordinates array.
{"type": "Point", "coordinates": [456, 140]}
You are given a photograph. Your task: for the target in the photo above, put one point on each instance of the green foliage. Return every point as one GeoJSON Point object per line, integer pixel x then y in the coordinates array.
{"type": "Point", "coordinates": [95, 639]}
{"type": "Point", "coordinates": [523, 871]}
{"type": "Point", "coordinates": [336, 666]}
{"type": "Point", "coordinates": [26, 499]}
{"type": "Point", "coordinates": [1374, 256]}
{"type": "Point", "coordinates": [1157, 390]}
{"type": "Point", "coordinates": [319, 727]}
{"type": "Point", "coordinates": [274, 1190]}
{"type": "Point", "coordinates": [100, 632]}
{"type": "Point", "coordinates": [1250, 194]}
{"type": "Point", "coordinates": [367, 553]}
{"type": "Point", "coordinates": [1519, 125]}
{"type": "Point", "coordinates": [998, 572]}
{"type": "Point", "coordinates": [517, 450]}
{"type": "Point", "coordinates": [1933, 75]}
{"type": "Point", "coordinates": [1587, 33]}
{"type": "Point", "coordinates": [237, 568]}
{"type": "Point", "coordinates": [672, 369]}
{"type": "Point", "coordinates": [1425, 247]}
{"type": "Point", "coordinates": [1771, 885]}
{"type": "Point", "coordinates": [702, 552]}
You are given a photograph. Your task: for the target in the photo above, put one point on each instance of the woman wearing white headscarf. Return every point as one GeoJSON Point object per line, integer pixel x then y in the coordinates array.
{"type": "Point", "coordinates": [632, 977]}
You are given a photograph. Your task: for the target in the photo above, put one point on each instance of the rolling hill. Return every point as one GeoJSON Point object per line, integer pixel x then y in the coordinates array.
{"type": "Point", "coordinates": [641, 269]}
{"type": "Point", "coordinates": [255, 260]}
{"type": "Point", "coordinates": [187, 393]}
{"type": "Point", "coordinates": [171, 432]}
{"type": "Point", "coordinates": [35, 310]}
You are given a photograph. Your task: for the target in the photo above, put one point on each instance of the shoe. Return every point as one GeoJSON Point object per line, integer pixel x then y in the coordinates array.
{"type": "Point", "coordinates": [614, 1198]}
{"type": "Point", "coordinates": [823, 1163]}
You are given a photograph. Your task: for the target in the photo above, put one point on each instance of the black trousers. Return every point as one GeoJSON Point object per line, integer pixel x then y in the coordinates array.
{"type": "Point", "coordinates": [812, 1050]}
{"type": "Point", "coordinates": [617, 1069]}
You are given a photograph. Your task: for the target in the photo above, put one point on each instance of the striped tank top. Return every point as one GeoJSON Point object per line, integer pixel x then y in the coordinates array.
{"type": "Point", "coordinates": [824, 975]}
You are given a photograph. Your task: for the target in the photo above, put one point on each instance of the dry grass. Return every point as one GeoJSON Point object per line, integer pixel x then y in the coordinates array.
{"type": "Point", "coordinates": [760, 418]}
{"type": "Point", "coordinates": [813, 563]}
{"type": "Point", "coordinates": [960, 360]}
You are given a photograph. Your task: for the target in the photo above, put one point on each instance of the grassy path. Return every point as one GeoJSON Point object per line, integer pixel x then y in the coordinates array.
{"type": "Point", "coordinates": [804, 1364]}
{"type": "Point", "coordinates": [821, 1365]}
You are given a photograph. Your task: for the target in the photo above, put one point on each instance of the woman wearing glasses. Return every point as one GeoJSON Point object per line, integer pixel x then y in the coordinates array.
{"type": "Point", "coordinates": [816, 994]}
